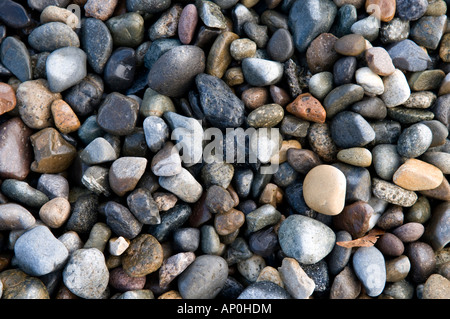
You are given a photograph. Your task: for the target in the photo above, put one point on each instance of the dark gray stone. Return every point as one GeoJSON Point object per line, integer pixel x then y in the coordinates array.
{"type": "Point", "coordinates": [97, 42]}
{"type": "Point", "coordinates": [349, 129]}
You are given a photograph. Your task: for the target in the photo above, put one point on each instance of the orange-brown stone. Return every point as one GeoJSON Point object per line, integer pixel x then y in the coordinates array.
{"type": "Point", "coordinates": [383, 9]}
{"type": "Point", "coordinates": [7, 98]}
{"type": "Point", "coordinates": [307, 107]}
{"type": "Point", "coordinates": [64, 117]}
{"type": "Point", "coordinates": [416, 175]}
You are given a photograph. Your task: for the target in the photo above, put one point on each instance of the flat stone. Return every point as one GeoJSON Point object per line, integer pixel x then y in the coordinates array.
{"type": "Point", "coordinates": [281, 38]}
{"type": "Point", "coordinates": [436, 287]}
{"type": "Point", "coordinates": [305, 239]}
{"type": "Point", "coordinates": [52, 153]}
{"type": "Point", "coordinates": [320, 84]}
{"type": "Point", "coordinates": [345, 285]}
{"type": "Point", "coordinates": [86, 274]}
{"type": "Point", "coordinates": [344, 70]}
{"type": "Point", "coordinates": [420, 100]}
{"type": "Point", "coordinates": [98, 151]}
{"type": "Point", "coordinates": [369, 266]}
{"type": "Point", "coordinates": [409, 116]}
{"type": "Point", "coordinates": [52, 36]}
{"type": "Point", "coordinates": [167, 24]}
{"type": "Point", "coordinates": [368, 27]}
{"type": "Point", "coordinates": [18, 285]}
{"type": "Point", "coordinates": [242, 48]}
{"type": "Point", "coordinates": [15, 57]}
{"type": "Point", "coordinates": [144, 256]}
{"type": "Point", "coordinates": [310, 19]}
{"type": "Point", "coordinates": [417, 175]}
{"type": "Point", "coordinates": [14, 15]}
{"type": "Point", "coordinates": [204, 278]}
{"type": "Point", "coordinates": [210, 13]}
{"type": "Point", "coordinates": [357, 156]}
{"type": "Point", "coordinates": [125, 172]}
{"type": "Point", "coordinates": [118, 114]}
{"type": "Point", "coordinates": [15, 149]}
{"type": "Point", "coordinates": [34, 100]}
{"type": "Point", "coordinates": [319, 137]}
{"type": "Point", "coordinates": [393, 193]}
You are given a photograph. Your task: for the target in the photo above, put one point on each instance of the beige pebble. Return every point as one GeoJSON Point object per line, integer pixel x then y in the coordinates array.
{"type": "Point", "coordinates": [57, 14]}
{"type": "Point", "coordinates": [297, 283]}
{"type": "Point", "coordinates": [55, 212]}
{"type": "Point", "coordinates": [270, 274]}
{"type": "Point", "coordinates": [357, 156]}
{"type": "Point", "coordinates": [324, 189]}
{"type": "Point", "coordinates": [281, 156]}
{"type": "Point", "coordinates": [417, 175]}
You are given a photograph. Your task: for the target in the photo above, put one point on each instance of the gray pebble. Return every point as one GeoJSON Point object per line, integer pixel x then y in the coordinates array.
{"type": "Point", "coordinates": [370, 268]}
{"type": "Point", "coordinates": [264, 290]}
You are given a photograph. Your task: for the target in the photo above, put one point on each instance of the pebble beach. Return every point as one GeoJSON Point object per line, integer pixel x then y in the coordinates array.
{"type": "Point", "coordinates": [224, 149]}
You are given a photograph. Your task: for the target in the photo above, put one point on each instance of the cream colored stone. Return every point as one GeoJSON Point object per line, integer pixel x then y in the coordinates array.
{"type": "Point", "coordinates": [357, 156]}
{"type": "Point", "coordinates": [296, 281]}
{"type": "Point", "coordinates": [118, 245]}
{"type": "Point", "coordinates": [324, 189]}
{"type": "Point", "coordinates": [270, 274]}
{"type": "Point", "coordinates": [417, 175]}
{"type": "Point", "coordinates": [281, 156]}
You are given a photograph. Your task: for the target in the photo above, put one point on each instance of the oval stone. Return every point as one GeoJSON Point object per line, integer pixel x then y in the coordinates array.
{"type": "Point", "coordinates": [173, 74]}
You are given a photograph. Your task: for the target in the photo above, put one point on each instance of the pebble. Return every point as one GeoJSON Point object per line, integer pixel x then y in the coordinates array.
{"type": "Point", "coordinates": [65, 119]}
{"type": "Point", "coordinates": [34, 100]}
{"type": "Point", "coordinates": [125, 172]}
{"type": "Point", "coordinates": [379, 61]}
{"type": "Point", "coordinates": [340, 256]}
{"type": "Point", "coordinates": [394, 31]}
{"type": "Point", "coordinates": [436, 287]}
{"type": "Point", "coordinates": [435, 232]}
{"type": "Point", "coordinates": [308, 108]}
{"type": "Point", "coordinates": [409, 232]}
{"type": "Point", "coordinates": [144, 256]}
{"type": "Point", "coordinates": [397, 268]}
{"type": "Point", "coordinates": [350, 45]}
{"type": "Point", "coordinates": [372, 83]}
{"type": "Point", "coordinates": [439, 132]}
{"type": "Point", "coordinates": [321, 55]}
{"type": "Point", "coordinates": [369, 266]}
{"type": "Point", "coordinates": [183, 185]}
{"type": "Point", "coordinates": [345, 285]}
{"type": "Point", "coordinates": [264, 290]}
{"type": "Point", "coordinates": [349, 129]}
{"type": "Point", "coordinates": [319, 137]}
{"type": "Point", "coordinates": [420, 100]}
{"type": "Point", "coordinates": [305, 239]}
{"type": "Point", "coordinates": [390, 245]}
{"type": "Point", "coordinates": [98, 151]}
{"type": "Point", "coordinates": [344, 70]}
{"type": "Point", "coordinates": [86, 274]}
{"type": "Point", "coordinates": [56, 14]}
{"type": "Point", "coordinates": [143, 206]}
{"type": "Point", "coordinates": [149, 6]}
{"type": "Point", "coordinates": [86, 95]}
{"type": "Point", "coordinates": [7, 98]}
{"type": "Point", "coordinates": [18, 285]}
{"type": "Point", "coordinates": [121, 220]}
{"type": "Point", "coordinates": [391, 218]}
{"type": "Point", "coordinates": [187, 23]}
{"type": "Point", "coordinates": [414, 140]}
{"type": "Point", "coordinates": [39, 253]}
{"type": "Point", "coordinates": [204, 278]}
{"type": "Point", "coordinates": [297, 283]}
{"type": "Point", "coordinates": [423, 260]}
{"type": "Point", "coordinates": [120, 69]}
{"type": "Point", "coordinates": [417, 175]}
{"type": "Point", "coordinates": [218, 199]}
{"type": "Point", "coordinates": [174, 266]}
{"type": "Point", "coordinates": [211, 15]}
{"type": "Point", "coordinates": [15, 217]}
{"type": "Point", "coordinates": [84, 214]}
{"type": "Point", "coordinates": [392, 193]}
{"type": "Point", "coordinates": [52, 36]}
{"type": "Point", "coordinates": [310, 19]}
{"type": "Point", "coordinates": [320, 84]}
{"type": "Point", "coordinates": [261, 217]}
{"type": "Point", "coordinates": [396, 89]}
{"type": "Point", "coordinates": [411, 10]}
{"type": "Point", "coordinates": [225, 109]}
{"type": "Point", "coordinates": [127, 30]}
{"type": "Point", "coordinates": [167, 161]}
{"type": "Point", "coordinates": [118, 114]}
{"type": "Point", "coordinates": [250, 268]}
{"type": "Point", "coordinates": [406, 55]}
{"type": "Point", "coordinates": [268, 115]}
{"type": "Point", "coordinates": [342, 97]}
{"type": "Point", "coordinates": [280, 39]}
{"type": "Point", "coordinates": [121, 281]}
{"type": "Point", "coordinates": [355, 219]}
{"type": "Point", "coordinates": [22, 192]}
{"type": "Point", "coordinates": [15, 149]}
{"type": "Point", "coordinates": [368, 27]}
{"type": "Point", "coordinates": [55, 212]}
{"type": "Point", "coordinates": [261, 72]}
{"type": "Point", "coordinates": [356, 156]}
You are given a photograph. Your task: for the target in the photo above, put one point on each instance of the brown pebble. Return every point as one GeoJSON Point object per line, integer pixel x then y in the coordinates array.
{"type": "Point", "coordinates": [55, 212]}
{"type": "Point", "coordinates": [255, 97]}
{"type": "Point", "coordinates": [390, 245]}
{"type": "Point", "coordinates": [143, 256]}
{"type": "Point", "coordinates": [218, 199]}
{"type": "Point", "coordinates": [409, 232]}
{"type": "Point", "coordinates": [308, 108]}
{"type": "Point", "coordinates": [228, 222]}
{"type": "Point", "coordinates": [391, 218]}
{"type": "Point", "coordinates": [354, 218]}
{"type": "Point", "coordinates": [66, 121]}
{"type": "Point", "coordinates": [7, 98]}
{"type": "Point", "coordinates": [397, 268]}
{"type": "Point", "coordinates": [350, 45]}
{"type": "Point", "coordinates": [442, 192]}
{"type": "Point", "coordinates": [271, 194]}
{"type": "Point", "coordinates": [234, 76]}
{"type": "Point", "coordinates": [200, 212]}
{"type": "Point", "coordinates": [321, 54]}
{"type": "Point", "coordinates": [302, 160]}
{"type": "Point", "coordinates": [171, 294]}
{"type": "Point", "coordinates": [436, 287]}
{"type": "Point", "coordinates": [16, 153]}
{"type": "Point", "coordinates": [164, 201]}
{"type": "Point", "coordinates": [279, 95]}
{"type": "Point", "coordinates": [219, 57]}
